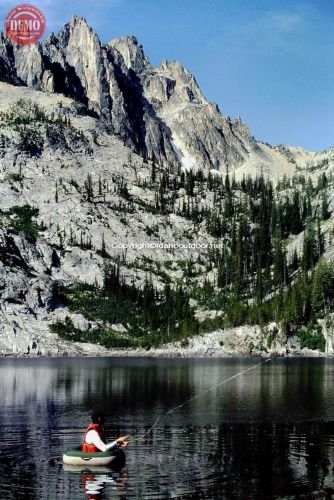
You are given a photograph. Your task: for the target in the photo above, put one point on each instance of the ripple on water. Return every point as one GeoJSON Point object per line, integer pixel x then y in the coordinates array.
{"type": "Point", "coordinates": [181, 462]}
{"type": "Point", "coordinates": [259, 434]}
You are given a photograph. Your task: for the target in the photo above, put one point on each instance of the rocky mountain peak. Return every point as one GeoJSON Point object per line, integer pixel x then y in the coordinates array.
{"type": "Point", "coordinates": [159, 111]}
{"type": "Point", "coordinates": [81, 49]}
{"type": "Point", "coordinates": [78, 22]}
{"type": "Point", "coordinates": [185, 87]}
{"type": "Point", "coordinates": [132, 53]}
{"type": "Point", "coordinates": [179, 72]}
{"type": "Point", "coordinates": [77, 29]}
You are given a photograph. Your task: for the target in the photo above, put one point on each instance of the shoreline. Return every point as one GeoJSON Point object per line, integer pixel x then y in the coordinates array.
{"type": "Point", "coordinates": [169, 354]}
{"type": "Point", "coordinates": [243, 342]}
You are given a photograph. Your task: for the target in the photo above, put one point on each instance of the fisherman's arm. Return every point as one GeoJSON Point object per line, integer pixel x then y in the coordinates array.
{"type": "Point", "coordinates": [93, 438]}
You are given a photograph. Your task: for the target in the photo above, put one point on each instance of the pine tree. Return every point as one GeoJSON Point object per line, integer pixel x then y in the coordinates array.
{"type": "Point", "coordinates": [88, 186]}
{"type": "Point", "coordinates": [56, 193]}
{"type": "Point", "coordinates": [325, 213]}
{"type": "Point", "coordinates": [238, 259]}
{"type": "Point", "coordinates": [153, 173]}
{"type": "Point", "coordinates": [227, 182]}
{"type": "Point", "coordinates": [296, 225]}
{"type": "Point", "coordinates": [310, 247]}
{"type": "Point", "coordinates": [103, 247]}
{"type": "Point", "coordinates": [279, 265]}
{"type": "Point", "coordinates": [294, 261]}
{"type": "Point", "coordinates": [309, 188]}
{"type": "Point", "coordinates": [320, 239]}
{"type": "Point", "coordinates": [322, 286]}
{"type": "Point", "coordinates": [259, 295]}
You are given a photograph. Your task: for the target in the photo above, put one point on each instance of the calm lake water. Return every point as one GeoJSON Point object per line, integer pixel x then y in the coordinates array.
{"type": "Point", "coordinates": [266, 434]}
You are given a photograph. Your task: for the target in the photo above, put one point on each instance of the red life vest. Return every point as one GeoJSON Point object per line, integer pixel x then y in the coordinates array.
{"type": "Point", "coordinates": [91, 448]}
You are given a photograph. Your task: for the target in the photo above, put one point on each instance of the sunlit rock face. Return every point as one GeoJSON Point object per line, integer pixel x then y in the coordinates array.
{"type": "Point", "coordinates": [160, 111]}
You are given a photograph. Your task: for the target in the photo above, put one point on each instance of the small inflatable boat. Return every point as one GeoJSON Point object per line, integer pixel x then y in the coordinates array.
{"type": "Point", "coordinates": [99, 470]}
{"type": "Point", "coordinates": [74, 456]}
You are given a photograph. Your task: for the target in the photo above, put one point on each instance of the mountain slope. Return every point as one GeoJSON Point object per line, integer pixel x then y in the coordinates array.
{"type": "Point", "coordinates": [160, 111]}
{"type": "Point", "coordinates": [104, 237]}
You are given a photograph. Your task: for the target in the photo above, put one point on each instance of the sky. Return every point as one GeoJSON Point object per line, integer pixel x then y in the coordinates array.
{"type": "Point", "coordinates": [271, 62]}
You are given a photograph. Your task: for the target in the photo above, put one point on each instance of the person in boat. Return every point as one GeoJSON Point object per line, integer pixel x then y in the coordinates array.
{"type": "Point", "coordinates": [94, 439]}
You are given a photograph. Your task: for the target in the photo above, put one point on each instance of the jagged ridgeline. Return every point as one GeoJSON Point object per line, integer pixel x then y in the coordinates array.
{"type": "Point", "coordinates": [100, 150]}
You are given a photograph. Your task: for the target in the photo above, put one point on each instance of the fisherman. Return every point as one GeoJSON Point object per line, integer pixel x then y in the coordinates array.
{"type": "Point", "coordinates": [94, 438]}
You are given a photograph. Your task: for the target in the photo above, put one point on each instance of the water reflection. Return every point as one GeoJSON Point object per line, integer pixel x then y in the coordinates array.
{"type": "Point", "coordinates": [98, 482]}
{"type": "Point", "coordinates": [269, 432]}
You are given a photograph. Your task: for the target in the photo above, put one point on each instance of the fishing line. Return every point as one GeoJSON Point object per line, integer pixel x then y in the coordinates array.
{"type": "Point", "coordinates": [198, 396]}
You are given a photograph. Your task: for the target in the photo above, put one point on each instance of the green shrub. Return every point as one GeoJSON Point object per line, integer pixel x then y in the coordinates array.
{"type": "Point", "coordinates": [15, 178]}
{"type": "Point", "coordinates": [31, 142]}
{"type": "Point", "coordinates": [106, 337]}
{"type": "Point", "coordinates": [312, 337]}
{"type": "Point", "coordinates": [22, 220]}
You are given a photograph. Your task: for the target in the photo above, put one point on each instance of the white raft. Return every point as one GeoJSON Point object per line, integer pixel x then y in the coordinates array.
{"type": "Point", "coordinates": [74, 456]}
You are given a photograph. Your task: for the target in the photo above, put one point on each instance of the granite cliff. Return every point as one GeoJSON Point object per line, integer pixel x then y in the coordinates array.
{"type": "Point", "coordinates": [159, 111]}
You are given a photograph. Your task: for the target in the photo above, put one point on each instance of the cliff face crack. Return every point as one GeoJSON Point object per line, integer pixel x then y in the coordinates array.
{"type": "Point", "coordinates": [10, 255]}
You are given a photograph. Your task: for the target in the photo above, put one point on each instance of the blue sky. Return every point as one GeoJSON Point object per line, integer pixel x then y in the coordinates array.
{"type": "Point", "coordinates": [269, 61]}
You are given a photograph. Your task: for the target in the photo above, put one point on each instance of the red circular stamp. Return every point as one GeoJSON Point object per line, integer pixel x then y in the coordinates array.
{"type": "Point", "coordinates": [25, 24]}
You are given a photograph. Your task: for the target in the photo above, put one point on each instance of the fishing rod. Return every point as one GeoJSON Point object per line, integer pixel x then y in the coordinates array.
{"type": "Point", "coordinates": [198, 396]}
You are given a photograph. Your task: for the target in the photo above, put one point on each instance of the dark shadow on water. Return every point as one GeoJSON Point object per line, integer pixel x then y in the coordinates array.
{"type": "Point", "coordinates": [274, 460]}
